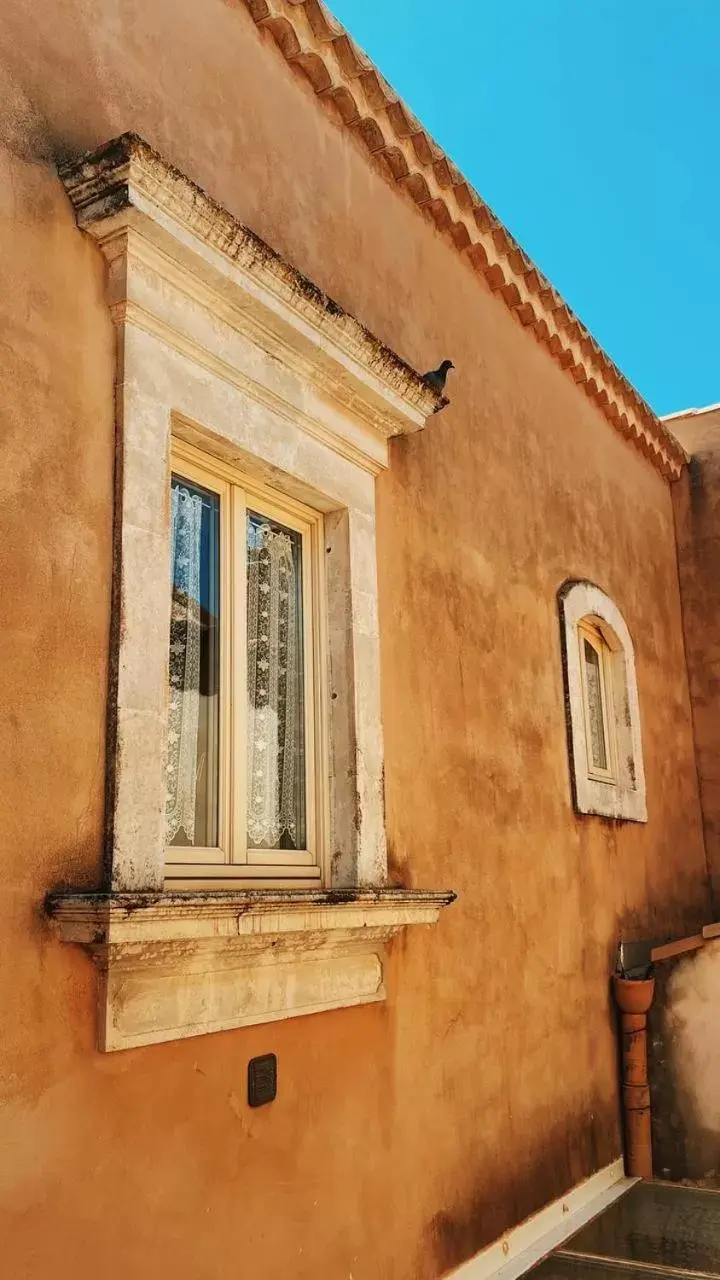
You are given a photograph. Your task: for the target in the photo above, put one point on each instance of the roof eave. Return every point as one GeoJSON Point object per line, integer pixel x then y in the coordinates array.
{"type": "Point", "coordinates": [311, 39]}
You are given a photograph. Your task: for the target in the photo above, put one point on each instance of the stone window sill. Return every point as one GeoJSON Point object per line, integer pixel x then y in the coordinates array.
{"type": "Point", "coordinates": [173, 965]}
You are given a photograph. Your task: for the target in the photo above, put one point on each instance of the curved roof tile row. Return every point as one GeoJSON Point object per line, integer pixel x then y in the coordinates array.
{"type": "Point", "coordinates": [311, 39]}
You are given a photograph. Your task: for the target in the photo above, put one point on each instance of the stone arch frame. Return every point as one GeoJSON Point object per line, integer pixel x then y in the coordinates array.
{"type": "Point", "coordinates": [623, 796]}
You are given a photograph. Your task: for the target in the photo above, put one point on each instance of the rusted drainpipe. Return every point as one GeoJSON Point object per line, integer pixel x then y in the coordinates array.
{"type": "Point", "coordinates": [633, 998]}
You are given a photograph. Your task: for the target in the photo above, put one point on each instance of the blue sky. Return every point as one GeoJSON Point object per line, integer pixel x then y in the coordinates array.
{"type": "Point", "coordinates": [592, 128]}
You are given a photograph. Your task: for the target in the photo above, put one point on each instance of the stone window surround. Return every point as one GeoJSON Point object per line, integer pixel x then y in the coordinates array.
{"type": "Point", "coordinates": [220, 343]}
{"type": "Point", "coordinates": [622, 797]}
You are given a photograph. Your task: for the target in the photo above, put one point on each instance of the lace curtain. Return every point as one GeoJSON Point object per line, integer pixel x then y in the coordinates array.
{"type": "Point", "coordinates": [276, 817]}
{"type": "Point", "coordinates": [185, 637]}
{"type": "Point", "coordinates": [593, 679]}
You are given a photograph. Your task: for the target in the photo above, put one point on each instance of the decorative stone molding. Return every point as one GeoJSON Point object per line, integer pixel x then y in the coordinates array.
{"type": "Point", "coordinates": [179, 965]}
{"type": "Point", "coordinates": [624, 796]}
{"type": "Point", "coordinates": [225, 347]}
{"type": "Point", "coordinates": [126, 187]}
{"type": "Point", "coordinates": [314, 42]}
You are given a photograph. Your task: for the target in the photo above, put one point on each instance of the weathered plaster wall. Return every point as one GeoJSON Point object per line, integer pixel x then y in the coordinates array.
{"type": "Point", "coordinates": [404, 1136]}
{"type": "Point", "coordinates": [684, 1075]}
{"type": "Point", "coordinates": [697, 514]}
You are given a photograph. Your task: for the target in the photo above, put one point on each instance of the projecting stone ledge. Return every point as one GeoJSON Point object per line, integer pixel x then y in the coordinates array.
{"type": "Point", "coordinates": [173, 965]}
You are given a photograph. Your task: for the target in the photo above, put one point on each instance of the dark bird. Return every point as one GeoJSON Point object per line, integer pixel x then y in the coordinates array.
{"type": "Point", "coordinates": [437, 378]}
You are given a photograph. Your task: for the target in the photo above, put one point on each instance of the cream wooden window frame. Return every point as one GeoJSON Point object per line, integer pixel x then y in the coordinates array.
{"type": "Point", "coordinates": [591, 634]}
{"type": "Point", "coordinates": [232, 861]}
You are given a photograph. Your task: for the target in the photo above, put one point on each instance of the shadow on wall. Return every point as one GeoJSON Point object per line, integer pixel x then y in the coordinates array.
{"type": "Point", "coordinates": [685, 1068]}
{"type": "Point", "coordinates": [460, 1230]}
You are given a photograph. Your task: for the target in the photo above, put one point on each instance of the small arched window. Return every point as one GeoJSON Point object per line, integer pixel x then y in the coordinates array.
{"type": "Point", "coordinates": [602, 710]}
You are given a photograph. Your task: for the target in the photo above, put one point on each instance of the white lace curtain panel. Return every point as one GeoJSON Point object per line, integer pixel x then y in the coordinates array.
{"type": "Point", "coordinates": [274, 728]}
{"type": "Point", "coordinates": [186, 526]}
{"type": "Point", "coordinates": [275, 789]}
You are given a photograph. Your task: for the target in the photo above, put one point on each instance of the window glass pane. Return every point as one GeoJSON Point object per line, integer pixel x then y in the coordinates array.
{"type": "Point", "coordinates": [194, 711]}
{"type": "Point", "coordinates": [276, 713]}
{"type": "Point", "coordinates": [593, 677]}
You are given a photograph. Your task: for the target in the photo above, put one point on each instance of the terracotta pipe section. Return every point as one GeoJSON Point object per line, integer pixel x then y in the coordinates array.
{"type": "Point", "coordinates": [633, 998]}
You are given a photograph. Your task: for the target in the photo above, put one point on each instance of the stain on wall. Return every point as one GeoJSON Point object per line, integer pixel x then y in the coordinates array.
{"type": "Point", "coordinates": [408, 1135]}
{"type": "Point", "coordinates": [697, 514]}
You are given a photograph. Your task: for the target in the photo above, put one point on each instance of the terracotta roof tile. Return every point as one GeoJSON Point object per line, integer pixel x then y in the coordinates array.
{"type": "Point", "coordinates": [310, 38]}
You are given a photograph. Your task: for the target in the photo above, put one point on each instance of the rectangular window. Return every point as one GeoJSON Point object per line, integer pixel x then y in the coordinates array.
{"type": "Point", "coordinates": [596, 677]}
{"type": "Point", "coordinates": [246, 793]}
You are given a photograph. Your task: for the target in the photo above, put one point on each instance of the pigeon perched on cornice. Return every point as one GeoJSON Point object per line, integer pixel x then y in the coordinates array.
{"type": "Point", "coordinates": [437, 378]}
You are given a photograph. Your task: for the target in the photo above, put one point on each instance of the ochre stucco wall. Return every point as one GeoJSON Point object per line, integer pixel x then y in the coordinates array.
{"type": "Point", "coordinates": [405, 1136]}
{"type": "Point", "coordinates": [697, 514]}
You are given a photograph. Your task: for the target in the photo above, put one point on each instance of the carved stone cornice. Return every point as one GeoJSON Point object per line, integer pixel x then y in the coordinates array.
{"type": "Point", "coordinates": [107, 919]}
{"type": "Point", "coordinates": [174, 965]}
{"type": "Point", "coordinates": [136, 204]}
{"type": "Point", "coordinates": [314, 42]}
